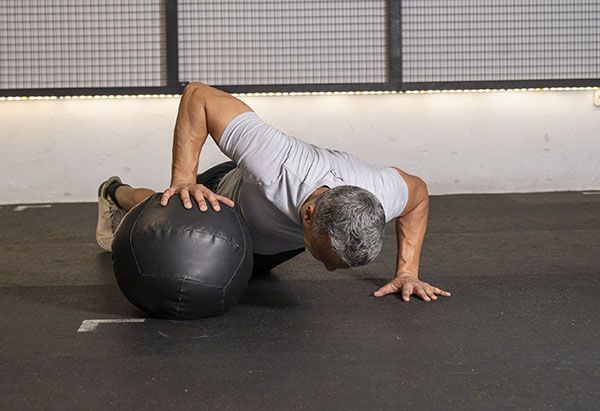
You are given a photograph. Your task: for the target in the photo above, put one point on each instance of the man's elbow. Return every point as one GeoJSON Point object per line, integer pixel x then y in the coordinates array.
{"type": "Point", "coordinates": [421, 187]}
{"type": "Point", "coordinates": [418, 193]}
{"type": "Point", "coordinates": [194, 86]}
{"type": "Point", "coordinates": [196, 91]}
{"type": "Point", "coordinates": [417, 188]}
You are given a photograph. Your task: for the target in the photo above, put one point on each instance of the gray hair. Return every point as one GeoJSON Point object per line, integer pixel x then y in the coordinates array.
{"type": "Point", "coordinates": [354, 220]}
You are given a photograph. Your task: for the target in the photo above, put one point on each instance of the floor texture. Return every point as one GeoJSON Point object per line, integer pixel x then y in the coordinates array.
{"type": "Point", "coordinates": [520, 331]}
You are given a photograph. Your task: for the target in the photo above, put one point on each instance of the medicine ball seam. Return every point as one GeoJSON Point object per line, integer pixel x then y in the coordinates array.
{"type": "Point", "coordinates": [166, 229]}
{"type": "Point", "coordinates": [239, 264]}
{"type": "Point", "coordinates": [223, 299]}
{"type": "Point", "coordinates": [156, 198]}
{"type": "Point", "coordinates": [138, 281]}
{"type": "Point", "coordinates": [131, 237]}
{"type": "Point", "coordinates": [178, 305]}
{"type": "Point", "coordinates": [166, 277]}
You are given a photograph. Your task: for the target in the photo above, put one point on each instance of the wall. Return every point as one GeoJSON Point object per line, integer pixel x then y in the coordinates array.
{"type": "Point", "coordinates": [60, 150]}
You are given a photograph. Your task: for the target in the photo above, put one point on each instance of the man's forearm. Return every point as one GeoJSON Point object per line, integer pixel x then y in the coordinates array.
{"type": "Point", "coordinates": [410, 231]}
{"type": "Point", "coordinates": [189, 137]}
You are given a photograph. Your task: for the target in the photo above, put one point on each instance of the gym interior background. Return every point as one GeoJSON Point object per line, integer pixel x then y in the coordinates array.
{"type": "Point", "coordinates": [474, 97]}
{"type": "Point", "coordinates": [65, 50]}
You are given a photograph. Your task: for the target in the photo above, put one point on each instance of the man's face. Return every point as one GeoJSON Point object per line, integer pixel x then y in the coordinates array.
{"type": "Point", "coordinates": [320, 248]}
{"type": "Point", "coordinates": [318, 245]}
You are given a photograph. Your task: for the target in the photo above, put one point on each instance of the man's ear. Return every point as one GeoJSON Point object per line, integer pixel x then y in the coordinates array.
{"type": "Point", "coordinates": [308, 213]}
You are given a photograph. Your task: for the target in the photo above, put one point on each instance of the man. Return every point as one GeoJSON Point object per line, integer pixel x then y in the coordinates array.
{"type": "Point", "coordinates": [291, 194]}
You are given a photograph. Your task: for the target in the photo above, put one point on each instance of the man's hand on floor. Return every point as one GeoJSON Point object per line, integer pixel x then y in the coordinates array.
{"type": "Point", "coordinates": [408, 284]}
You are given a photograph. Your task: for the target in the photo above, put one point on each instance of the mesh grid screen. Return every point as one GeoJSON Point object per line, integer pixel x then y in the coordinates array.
{"type": "Point", "coordinates": [81, 43]}
{"type": "Point", "coordinates": [487, 40]}
{"type": "Point", "coordinates": [248, 42]}
{"type": "Point", "coordinates": [122, 43]}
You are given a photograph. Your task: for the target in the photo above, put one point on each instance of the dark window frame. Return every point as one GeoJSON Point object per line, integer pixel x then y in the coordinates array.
{"type": "Point", "coordinates": [394, 83]}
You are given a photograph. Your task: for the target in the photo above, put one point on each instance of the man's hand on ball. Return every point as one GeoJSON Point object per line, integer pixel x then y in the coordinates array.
{"type": "Point", "coordinates": [199, 191]}
{"type": "Point", "coordinates": [408, 284]}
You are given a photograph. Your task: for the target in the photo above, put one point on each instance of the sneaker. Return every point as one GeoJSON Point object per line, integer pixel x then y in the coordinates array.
{"type": "Point", "coordinates": [109, 216]}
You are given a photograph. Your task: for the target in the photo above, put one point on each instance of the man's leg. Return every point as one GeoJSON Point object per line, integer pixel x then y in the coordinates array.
{"type": "Point", "coordinates": [264, 263]}
{"type": "Point", "coordinates": [128, 197]}
{"type": "Point", "coordinates": [115, 199]}
{"type": "Point", "coordinates": [212, 177]}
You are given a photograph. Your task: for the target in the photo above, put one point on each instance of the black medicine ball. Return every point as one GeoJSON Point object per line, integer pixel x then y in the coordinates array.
{"type": "Point", "coordinates": [182, 264]}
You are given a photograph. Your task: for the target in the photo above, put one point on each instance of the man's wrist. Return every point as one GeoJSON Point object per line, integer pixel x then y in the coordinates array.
{"type": "Point", "coordinates": [182, 174]}
{"type": "Point", "coordinates": [405, 273]}
{"type": "Point", "coordinates": [181, 180]}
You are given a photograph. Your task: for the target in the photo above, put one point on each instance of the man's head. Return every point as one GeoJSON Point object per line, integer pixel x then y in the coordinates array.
{"type": "Point", "coordinates": [343, 226]}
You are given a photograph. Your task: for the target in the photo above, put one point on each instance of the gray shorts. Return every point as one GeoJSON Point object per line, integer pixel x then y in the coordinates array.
{"type": "Point", "coordinates": [262, 262]}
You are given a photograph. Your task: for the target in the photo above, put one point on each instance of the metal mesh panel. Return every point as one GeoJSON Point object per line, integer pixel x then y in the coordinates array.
{"type": "Point", "coordinates": [497, 40]}
{"type": "Point", "coordinates": [282, 42]}
{"type": "Point", "coordinates": [74, 43]}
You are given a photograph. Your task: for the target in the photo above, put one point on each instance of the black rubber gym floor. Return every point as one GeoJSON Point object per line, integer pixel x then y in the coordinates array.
{"type": "Point", "coordinates": [521, 330]}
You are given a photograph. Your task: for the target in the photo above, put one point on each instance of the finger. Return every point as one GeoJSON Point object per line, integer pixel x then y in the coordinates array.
{"type": "Point", "coordinates": [406, 292]}
{"type": "Point", "coordinates": [428, 289]}
{"type": "Point", "coordinates": [199, 196]}
{"type": "Point", "coordinates": [168, 193]}
{"type": "Point", "coordinates": [389, 288]}
{"type": "Point", "coordinates": [184, 194]}
{"type": "Point", "coordinates": [422, 294]}
{"type": "Point", "coordinates": [430, 293]}
{"type": "Point", "coordinates": [439, 291]}
{"type": "Point", "coordinates": [385, 290]}
{"type": "Point", "coordinates": [212, 199]}
{"type": "Point", "coordinates": [226, 200]}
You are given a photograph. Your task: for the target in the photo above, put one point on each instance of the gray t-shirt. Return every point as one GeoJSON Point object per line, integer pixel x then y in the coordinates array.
{"type": "Point", "coordinates": [276, 173]}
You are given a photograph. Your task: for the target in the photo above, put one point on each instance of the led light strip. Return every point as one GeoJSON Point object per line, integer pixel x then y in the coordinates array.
{"type": "Point", "coordinates": [303, 93]}
{"type": "Point", "coordinates": [494, 90]}
{"type": "Point", "coordinates": [97, 97]}
{"type": "Point", "coordinates": [316, 93]}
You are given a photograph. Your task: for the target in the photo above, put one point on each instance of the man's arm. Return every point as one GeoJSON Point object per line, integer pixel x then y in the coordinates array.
{"type": "Point", "coordinates": [410, 233]}
{"type": "Point", "coordinates": [411, 226]}
{"type": "Point", "coordinates": [203, 110]}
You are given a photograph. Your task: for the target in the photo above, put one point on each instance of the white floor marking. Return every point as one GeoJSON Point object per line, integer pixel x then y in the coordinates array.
{"type": "Point", "coordinates": [591, 193]}
{"type": "Point", "coordinates": [25, 207]}
{"type": "Point", "coordinates": [91, 325]}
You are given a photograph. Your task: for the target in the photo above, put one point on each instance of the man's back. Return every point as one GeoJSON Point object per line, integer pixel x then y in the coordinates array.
{"type": "Point", "coordinates": [276, 174]}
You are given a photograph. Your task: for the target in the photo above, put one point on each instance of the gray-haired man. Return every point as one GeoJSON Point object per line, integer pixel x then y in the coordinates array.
{"type": "Point", "coordinates": [290, 193]}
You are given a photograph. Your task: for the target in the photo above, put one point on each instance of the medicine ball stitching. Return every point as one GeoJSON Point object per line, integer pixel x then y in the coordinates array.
{"type": "Point", "coordinates": [179, 278]}
{"type": "Point", "coordinates": [195, 230]}
{"type": "Point", "coordinates": [239, 264]}
{"type": "Point", "coordinates": [137, 285]}
{"type": "Point", "coordinates": [167, 276]}
{"type": "Point", "coordinates": [178, 305]}
{"type": "Point", "coordinates": [160, 228]}
{"type": "Point", "coordinates": [131, 237]}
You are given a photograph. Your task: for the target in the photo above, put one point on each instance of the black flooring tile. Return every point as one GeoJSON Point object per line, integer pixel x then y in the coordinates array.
{"type": "Point", "coordinates": [520, 330]}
